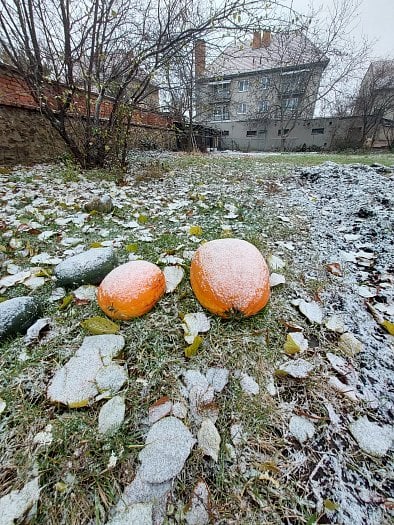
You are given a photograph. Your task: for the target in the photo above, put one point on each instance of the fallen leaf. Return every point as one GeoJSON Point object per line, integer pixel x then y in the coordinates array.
{"type": "Point", "coordinates": [193, 324]}
{"type": "Point", "coordinates": [100, 325]}
{"type": "Point", "coordinates": [173, 276]}
{"type": "Point", "coordinates": [388, 326]}
{"type": "Point", "coordinates": [312, 311]}
{"type": "Point", "coordinates": [295, 343]}
{"type": "Point", "coordinates": [66, 302]}
{"type": "Point", "coordinates": [209, 439]}
{"type": "Point", "coordinates": [191, 350]}
{"type": "Point", "coordinates": [275, 262]}
{"type": "Point", "coordinates": [335, 269]}
{"type": "Point", "coordinates": [131, 248]}
{"type": "Point", "coordinates": [331, 505]}
{"type": "Point", "coordinates": [195, 230]}
{"type": "Point", "coordinates": [276, 279]}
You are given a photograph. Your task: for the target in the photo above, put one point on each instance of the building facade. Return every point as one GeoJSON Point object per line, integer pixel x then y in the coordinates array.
{"type": "Point", "coordinates": [276, 78]}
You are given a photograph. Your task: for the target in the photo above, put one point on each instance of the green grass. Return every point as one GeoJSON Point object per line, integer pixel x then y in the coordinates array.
{"type": "Point", "coordinates": [77, 485]}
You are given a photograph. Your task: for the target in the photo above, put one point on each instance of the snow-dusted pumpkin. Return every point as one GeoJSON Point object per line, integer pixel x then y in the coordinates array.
{"type": "Point", "coordinates": [131, 290]}
{"type": "Point", "coordinates": [230, 276]}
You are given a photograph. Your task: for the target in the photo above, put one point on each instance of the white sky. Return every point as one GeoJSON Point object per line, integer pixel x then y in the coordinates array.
{"type": "Point", "coordinates": [376, 22]}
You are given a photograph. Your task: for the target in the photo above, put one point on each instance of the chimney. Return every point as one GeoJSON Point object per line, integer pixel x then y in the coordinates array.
{"type": "Point", "coordinates": [199, 58]}
{"type": "Point", "coordinates": [256, 42]}
{"type": "Point", "coordinates": [266, 41]}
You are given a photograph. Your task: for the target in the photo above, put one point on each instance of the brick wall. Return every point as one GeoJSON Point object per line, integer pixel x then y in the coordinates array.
{"type": "Point", "coordinates": [26, 137]}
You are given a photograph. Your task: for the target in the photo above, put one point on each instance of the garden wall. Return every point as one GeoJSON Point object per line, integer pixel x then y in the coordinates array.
{"type": "Point", "coordinates": [26, 137]}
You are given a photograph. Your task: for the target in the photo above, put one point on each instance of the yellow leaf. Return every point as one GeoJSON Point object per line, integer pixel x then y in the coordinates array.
{"type": "Point", "coordinates": [66, 302]}
{"type": "Point", "coordinates": [142, 219]}
{"type": "Point", "coordinates": [60, 486]}
{"type": "Point", "coordinates": [191, 350]}
{"type": "Point", "coordinates": [195, 230]}
{"type": "Point", "coordinates": [330, 505]}
{"type": "Point", "coordinates": [100, 325]}
{"type": "Point", "coordinates": [44, 272]}
{"type": "Point", "coordinates": [96, 245]}
{"type": "Point", "coordinates": [79, 404]}
{"type": "Point", "coordinates": [291, 347]}
{"type": "Point", "coordinates": [131, 248]}
{"type": "Point", "coordinates": [388, 326]}
{"type": "Point", "coordinates": [3, 248]}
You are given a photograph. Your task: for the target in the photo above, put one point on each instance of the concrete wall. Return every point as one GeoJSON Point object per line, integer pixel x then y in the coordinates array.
{"type": "Point", "coordinates": [308, 134]}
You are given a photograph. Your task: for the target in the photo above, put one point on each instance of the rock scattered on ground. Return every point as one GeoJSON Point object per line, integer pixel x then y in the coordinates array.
{"type": "Point", "coordinates": [75, 383]}
{"type": "Point", "coordinates": [17, 315]}
{"type": "Point", "coordinates": [111, 415]}
{"type": "Point", "coordinates": [89, 267]}
{"type": "Point", "coordinates": [136, 514]}
{"type": "Point", "coordinates": [372, 438]}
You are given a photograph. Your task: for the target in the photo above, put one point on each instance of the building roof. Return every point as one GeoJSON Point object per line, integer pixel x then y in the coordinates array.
{"type": "Point", "coordinates": [382, 71]}
{"type": "Point", "coordinates": [286, 50]}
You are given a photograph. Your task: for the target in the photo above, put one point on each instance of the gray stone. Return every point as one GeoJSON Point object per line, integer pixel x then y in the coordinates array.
{"type": "Point", "coordinates": [209, 439]}
{"type": "Point", "coordinates": [88, 267]}
{"type": "Point", "coordinates": [17, 315]}
{"type": "Point", "coordinates": [102, 204]}
{"type": "Point", "coordinates": [111, 415]}
{"type": "Point", "coordinates": [168, 445]}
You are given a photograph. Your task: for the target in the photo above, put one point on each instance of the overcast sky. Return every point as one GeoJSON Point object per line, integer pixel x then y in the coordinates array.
{"type": "Point", "coordinates": [376, 21]}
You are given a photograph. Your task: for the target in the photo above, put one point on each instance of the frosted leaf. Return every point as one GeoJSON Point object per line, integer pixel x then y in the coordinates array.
{"type": "Point", "coordinates": [217, 378]}
{"type": "Point", "coordinates": [18, 503]}
{"type": "Point", "coordinates": [168, 445]}
{"type": "Point", "coordinates": [275, 262]}
{"type": "Point", "coordinates": [171, 259]}
{"type": "Point", "coordinates": [248, 384]}
{"type": "Point", "coordinates": [237, 433]}
{"type": "Point", "coordinates": [113, 459]}
{"type": "Point", "coordinates": [45, 437]}
{"type": "Point", "coordinates": [342, 367]}
{"type": "Point", "coordinates": [71, 241]}
{"type": "Point", "coordinates": [366, 291]}
{"type": "Point", "coordinates": [198, 513]}
{"type": "Point", "coordinates": [335, 324]}
{"type": "Point", "coordinates": [110, 379]}
{"type": "Point", "coordinates": [299, 369]}
{"type": "Point", "coordinates": [295, 343]}
{"type": "Point", "coordinates": [209, 439]}
{"type": "Point", "coordinates": [35, 331]}
{"type": "Point", "coordinates": [173, 276]}
{"type": "Point", "coordinates": [179, 410]}
{"type": "Point", "coordinates": [111, 415]}
{"type": "Point", "coordinates": [160, 409]}
{"type": "Point", "coordinates": [136, 514]}
{"type": "Point", "coordinates": [312, 311]}
{"type": "Point", "coordinates": [349, 344]}
{"type": "Point", "coordinates": [57, 294]}
{"type": "Point", "coordinates": [44, 236]}
{"type": "Point", "coordinates": [86, 292]}
{"type": "Point", "coordinates": [3, 405]}
{"type": "Point", "coordinates": [276, 279]}
{"type": "Point", "coordinates": [75, 383]}
{"type": "Point", "coordinates": [45, 258]}
{"type": "Point", "coordinates": [34, 282]}
{"type": "Point", "coordinates": [301, 428]}
{"type": "Point", "coordinates": [347, 390]}
{"type": "Point", "coordinates": [270, 386]}
{"type": "Point", "coordinates": [193, 324]}
{"type": "Point", "coordinates": [372, 438]}
{"type": "Point", "coordinates": [12, 280]}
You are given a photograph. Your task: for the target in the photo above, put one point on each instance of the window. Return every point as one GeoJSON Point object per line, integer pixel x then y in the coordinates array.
{"type": "Point", "coordinates": [220, 113]}
{"type": "Point", "coordinates": [285, 132]}
{"type": "Point", "coordinates": [251, 133]}
{"type": "Point", "coordinates": [264, 105]}
{"type": "Point", "coordinates": [242, 108]}
{"type": "Point", "coordinates": [221, 89]}
{"type": "Point", "coordinates": [243, 85]}
{"type": "Point", "coordinates": [264, 82]}
{"type": "Point", "coordinates": [294, 82]}
{"type": "Point", "coordinates": [225, 133]}
{"type": "Point", "coordinates": [290, 104]}
{"type": "Point", "coordinates": [318, 131]}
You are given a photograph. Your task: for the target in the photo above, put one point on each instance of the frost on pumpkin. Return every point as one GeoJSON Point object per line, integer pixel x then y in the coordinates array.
{"type": "Point", "coordinates": [76, 384]}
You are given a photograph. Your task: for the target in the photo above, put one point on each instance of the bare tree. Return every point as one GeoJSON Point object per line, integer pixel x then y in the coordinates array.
{"type": "Point", "coordinates": [375, 101]}
{"type": "Point", "coordinates": [94, 49]}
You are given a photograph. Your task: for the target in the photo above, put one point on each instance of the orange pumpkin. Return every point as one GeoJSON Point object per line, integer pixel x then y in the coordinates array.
{"type": "Point", "coordinates": [131, 290]}
{"type": "Point", "coordinates": [230, 276]}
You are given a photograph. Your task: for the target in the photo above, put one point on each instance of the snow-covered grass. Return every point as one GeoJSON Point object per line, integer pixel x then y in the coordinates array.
{"type": "Point", "coordinates": [166, 206]}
